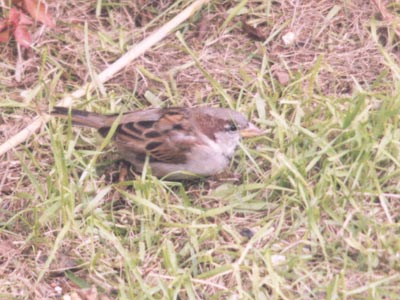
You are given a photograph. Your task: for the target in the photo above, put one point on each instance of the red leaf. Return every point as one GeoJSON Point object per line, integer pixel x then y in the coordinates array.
{"type": "Point", "coordinates": [4, 24]}
{"type": "Point", "coordinates": [4, 32]}
{"type": "Point", "coordinates": [14, 16]}
{"type": "Point", "coordinates": [18, 18]}
{"type": "Point", "coordinates": [19, 21]}
{"type": "Point", "coordinates": [25, 20]}
{"type": "Point", "coordinates": [17, 2]}
{"type": "Point", "coordinates": [22, 36]}
{"type": "Point", "coordinates": [38, 11]}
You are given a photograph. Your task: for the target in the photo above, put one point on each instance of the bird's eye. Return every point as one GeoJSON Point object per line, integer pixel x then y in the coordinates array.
{"type": "Point", "coordinates": [231, 127]}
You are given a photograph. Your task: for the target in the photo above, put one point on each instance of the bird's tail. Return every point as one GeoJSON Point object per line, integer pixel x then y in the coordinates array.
{"type": "Point", "coordinates": [83, 118]}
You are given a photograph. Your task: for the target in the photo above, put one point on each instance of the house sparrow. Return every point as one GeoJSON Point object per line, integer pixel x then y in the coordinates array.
{"type": "Point", "coordinates": [180, 142]}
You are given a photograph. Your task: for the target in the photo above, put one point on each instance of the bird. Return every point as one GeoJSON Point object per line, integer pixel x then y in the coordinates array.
{"type": "Point", "coordinates": [178, 142]}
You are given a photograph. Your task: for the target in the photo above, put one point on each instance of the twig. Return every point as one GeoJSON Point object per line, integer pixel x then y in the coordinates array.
{"type": "Point", "coordinates": [387, 195]}
{"type": "Point", "coordinates": [107, 74]}
{"type": "Point", "coordinates": [200, 281]}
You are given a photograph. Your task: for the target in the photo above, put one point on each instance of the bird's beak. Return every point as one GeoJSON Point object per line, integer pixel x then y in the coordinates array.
{"type": "Point", "coordinates": [251, 131]}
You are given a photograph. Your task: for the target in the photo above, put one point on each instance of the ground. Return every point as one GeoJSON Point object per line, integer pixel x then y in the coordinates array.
{"type": "Point", "coordinates": [310, 210]}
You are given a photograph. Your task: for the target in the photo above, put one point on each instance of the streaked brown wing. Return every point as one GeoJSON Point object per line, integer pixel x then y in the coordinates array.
{"type": "Point", "coordinates": [166, 139]}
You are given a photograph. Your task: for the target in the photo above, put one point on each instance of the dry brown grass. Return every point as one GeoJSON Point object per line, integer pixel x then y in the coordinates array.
{"type": "Point", "coordinates": [340, 249]}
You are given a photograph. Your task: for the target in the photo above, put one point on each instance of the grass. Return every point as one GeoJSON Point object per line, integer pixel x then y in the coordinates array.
{"type": "Point", "coordinates": [308, 211]}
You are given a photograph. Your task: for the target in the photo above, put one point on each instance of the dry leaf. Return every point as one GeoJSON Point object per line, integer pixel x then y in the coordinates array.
{"type": "Point", "coordinates": [6, 248]}
{"type": "Point", "coordinates": [39, 12]}
{"type": "Point", "coordinates": [282, 76]}
{"type": "Point", "coordinates": [203, 28]}
{"type": "Point", "coordinates": [88, 294]}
